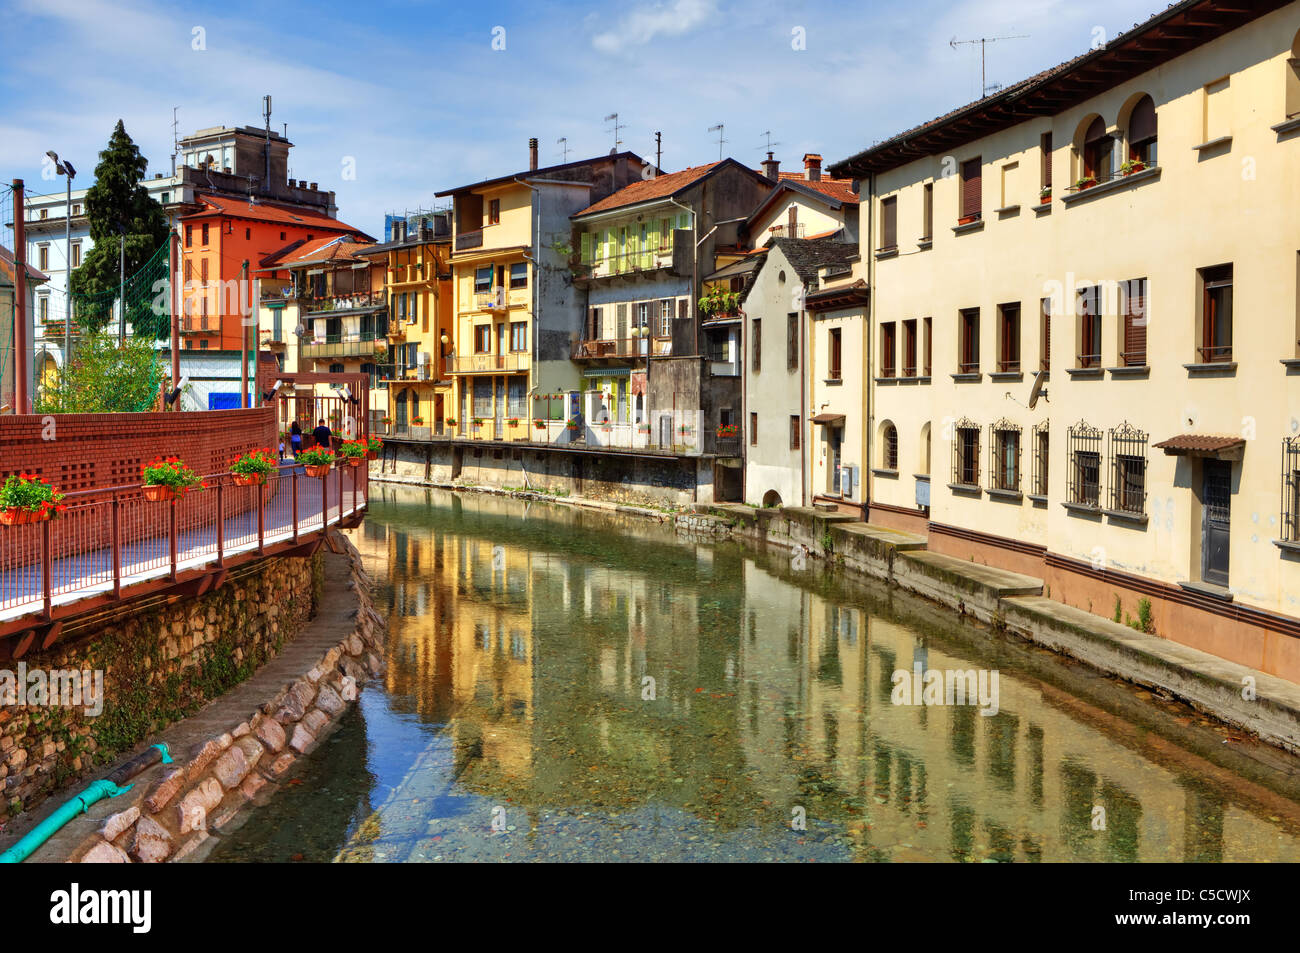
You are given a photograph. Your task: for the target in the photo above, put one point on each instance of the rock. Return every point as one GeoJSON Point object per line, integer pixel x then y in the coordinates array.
{"type": "Point", "coordinates": [328, 701]}
{"type": "Point", "coordinates": [252, 785]}
{"type": "Point", "coordinates": [192, 811]}
{"type": "Point", "coordinates": [203, 755]}
{"type": "Point", "coordinates": [115, 826]}
{"type": "Point", "coordinates": [231, 767]}
{"type": "Point", "coordinates": [279, 766]}
{"type": "Point", "coordinates": [165, 790]}
{"type": "Point", "coordinates": [314, 676]}
{"type": "Point", "coordinates": [347, 688]}
{"type": "Point", "coordinates": [271, 734]}
{"type": "Point", "coordinates": [105, 853]}
{"type": "Point", "coordinates": [17, 759]}
{"type": "Point", "coordinates": [376, 666]}
{"type": "Point", "coordinates": [314, 721]}
{"type": "Point", "coordinates": [304, 691]}
{"type": "Point", "coordinates": [151, 843]}
{"type": "Point", "coordinates": [241, 730]}
{"type": "Point", "coordinates": [252, 749]}
{"type": "Point", "coordinates": [351, 668]}
{"type": "Point", "coordinates": [353, 644]}
{"type": "Point", "coordinates": [189, 846]}
{"type": "Point", "coordinates": [302, 739]}
{"type": "Point", "coordinates": [292, 710]}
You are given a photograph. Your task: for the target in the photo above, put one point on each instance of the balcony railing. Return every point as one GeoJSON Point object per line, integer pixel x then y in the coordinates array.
{"type": "Point", "coordinates": [310, 304]}
{"type": "Point", "coordinates": [787, 231]}
{"type": "Point", "coordinates": [467, 240]}
{"type": "Point", "coordinates": [499, 299]}
{"type": "Point", "coordinates": [620, 349]}
{"type": "Point", "coordinates": [486, 363]}
{"type": "Point", "coordinates": [354, 344]}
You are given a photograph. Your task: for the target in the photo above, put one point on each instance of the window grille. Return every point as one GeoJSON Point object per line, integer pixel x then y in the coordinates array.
{"type": "Point", "coordinates": [1084, 444]}
{"type": "Point", "coordinates": [1004, 452]}
{"type": "Point", "coordinates": [966, 453]}
{"type": "Point", "coordinates": [1128, 468]}
{"type": "Point", "coordinates": [1042, 442]}
{"type": "Point", "coordinates": [1291, 489]}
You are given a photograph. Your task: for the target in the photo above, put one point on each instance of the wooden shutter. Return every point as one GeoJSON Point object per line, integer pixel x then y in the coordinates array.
{"type": "Point", "coordinates": [1046, 149]}
{"type": "Point", "coordinates": [1142, 121]}
{"type": "Point", "coordinates": [972, 187]}
{"type": "Point", "coordinates": [1047, 333]}
{"type": "Point", "coordinates": [1135, 322]}
{"type": "Point", "coordinates": [586, 248]}
{"type": "Point", "coordinates": [889, 222]}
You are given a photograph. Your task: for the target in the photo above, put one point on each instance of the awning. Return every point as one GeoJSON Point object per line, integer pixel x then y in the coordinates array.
{"type": "Point", "coordinates": [745, 266]}
{"type": "Point", "coordinates": [1214, 446]}
{"type": "Point", "coordinates": [828, 419]}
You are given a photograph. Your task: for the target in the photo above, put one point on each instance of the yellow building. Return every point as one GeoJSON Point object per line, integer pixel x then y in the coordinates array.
{"type": "Point", "coordinates": [1102, 222]}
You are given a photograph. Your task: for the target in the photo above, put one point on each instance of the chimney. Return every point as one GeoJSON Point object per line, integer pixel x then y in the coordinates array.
{"type": "Point", "coordinates": [532, 155]}
{"type": "Point", "coordinates": [812, 167]}
{"type": "Point", "coordinates": [772, 167]}
{"type": "Point", "coordinates": [312, 186]}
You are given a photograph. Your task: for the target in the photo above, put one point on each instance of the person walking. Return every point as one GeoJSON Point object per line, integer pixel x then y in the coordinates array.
{"type": "Point", "coordinates": [322, 435]}
{"type": "Point", "coordinates": [295, 439]}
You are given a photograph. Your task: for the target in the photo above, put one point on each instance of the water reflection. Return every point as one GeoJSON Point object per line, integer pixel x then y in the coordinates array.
{"type": "Point", "coordinates": [617, 693]}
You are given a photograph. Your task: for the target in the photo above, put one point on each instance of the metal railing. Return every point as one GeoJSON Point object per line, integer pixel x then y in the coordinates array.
{"type": "Point", "coordinates": [486, 363]}
{"type": "Point", "coordinates": [109, 540]}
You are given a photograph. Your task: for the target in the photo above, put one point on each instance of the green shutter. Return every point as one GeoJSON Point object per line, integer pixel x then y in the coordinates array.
{"type": "Point", "coordinates": [586, 248]}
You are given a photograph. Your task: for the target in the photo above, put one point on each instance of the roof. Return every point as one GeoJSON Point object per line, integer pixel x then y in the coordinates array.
{"type": "Point", "coordinates": [841, 190]}
{"type": "Point", "coordinates": [1170, 33]}
{"type": "Point", "coordinates": [1195, 444]}
{"type": "Point", "coordinates": [647, 190]}
{"type": "Point", "coordinates": [538, 173]}
{"type": "Point", "coordinates": [828, 419]}
{"type": "Point", "coordinates": [7, 268]}
{"type": "Point", "coordinates": [323, 250]}
{"type": "Point", "coordinates": [745, 266]}
{"type": "Point", "coordinates": [807, 256]}
{"type": "Point", "coordinates": [267, 212]}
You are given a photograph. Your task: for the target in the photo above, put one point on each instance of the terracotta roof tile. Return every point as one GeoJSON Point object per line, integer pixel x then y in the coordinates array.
{"type": "Point", "coordinates": [7, 269]}
{"type": "Point", "coordinates": [650, 189]}
{"type": "Point", "coordinates": [1199, 443]}
{"type": "Point", "coordinates": [267, 212]}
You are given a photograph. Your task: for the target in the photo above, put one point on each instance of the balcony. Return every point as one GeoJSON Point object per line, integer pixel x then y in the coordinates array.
{"type": "Point", "coordinates": [620, 349]}
{"type": "Point", "coordinates": [357, 301]}
{"type": "Point", "coordinates": [271, 338]}
{"type": "Point", "coordinates": [200, 325]}
{"type": "Point", "coordinates": [786, 231]}
{"type": "Point", "coordinates": [497, 299]}
{"type": "Point", "coordinates": [353, 344]}
{"type": "Point", "coordinates": [487, 363]}
{"type": "Point", "coordinates": [676, 260]}
{"type": "Point", "coordinates": [467, 240]}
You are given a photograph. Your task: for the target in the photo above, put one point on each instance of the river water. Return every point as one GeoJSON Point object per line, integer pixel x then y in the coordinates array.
{"type": "Point", "coordinates": [565, 684]}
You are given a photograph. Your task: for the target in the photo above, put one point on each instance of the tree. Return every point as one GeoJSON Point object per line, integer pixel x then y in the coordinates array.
{"type": "Point", "coordinates": [117, 200]}
{"type": "Point", "coordinates": [104, 378]}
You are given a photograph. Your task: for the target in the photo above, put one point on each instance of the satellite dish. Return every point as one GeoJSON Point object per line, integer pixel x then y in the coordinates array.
{"type": "Point", "coordinates": [1038, 390]}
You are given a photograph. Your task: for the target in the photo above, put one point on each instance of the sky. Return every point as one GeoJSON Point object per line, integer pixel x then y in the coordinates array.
{"type": "Point", "coordinates": [388, 103]}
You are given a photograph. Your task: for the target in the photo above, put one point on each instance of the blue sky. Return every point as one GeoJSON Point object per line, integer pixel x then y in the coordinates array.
{"type": "Point", "coordinates": [416, 94]}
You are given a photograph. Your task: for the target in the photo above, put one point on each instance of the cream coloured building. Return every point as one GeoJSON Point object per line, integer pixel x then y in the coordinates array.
{"type": "Point", "coordinates": [1070, 254]}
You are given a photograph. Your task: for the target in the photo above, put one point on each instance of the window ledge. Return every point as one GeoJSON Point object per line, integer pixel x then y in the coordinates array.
{"type": "Point", "coordinates": [1043, 208]}
{"type": "Point", "coordinates": [1288, 546]}
{"type": "Point", "coordinates": [890, 252]}
{"type": "Point", "coordinates": [1038, 499]}
{"type": "Point", "coordinates": [1124, 516]}
{"type": "Point", "coordinates": [925, 243]}
{"type": "Point", "coordinates": [967, 378]}
{"type": "Point", "coordinates": [1009, 495]}
{"type": "Point", "coordinates": [923, 379]}
{"type": "Point", "coordinates": [1082, 509]}
{"type": "Point", "coordinates": [1206, 589]}
{"type": "Point", "coordinates": [1008, 210]}
{"type": "Point", "coordinates": [1291, 363]}
{"type": "Point", "coordinates": [1007, 376]}
{"type": "Point", "coordinates": [908, 379]}
{"type": "Point", "coordinates": [1130, 370]}
{"type": "Point", "coordinates": [886, 380]}
{"type": "Point", "coordinates": [1114, 185]}
{"type": "Point", "coordinates": [836, 382]}
{"type": "Point", "coordinates": [1086, 373]}
{"type": "Point", "coordinates": [968, 489]}
{"type": "Point", "coordinates": [974, 226]}
{"type": "Point", "coordinates": [1212, 369]}
{"type": "Point", "coordinates": [1289, 126]}
{"type": "Point", "coordinates": [1213, 143]}
{"type": "Point", "coordinates": [883, 472]}
{"type": "Point", "coordinates": [924, 477]}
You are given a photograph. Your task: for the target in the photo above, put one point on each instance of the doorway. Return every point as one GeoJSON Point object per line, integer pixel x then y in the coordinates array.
{"type": "Point", "coordinates": [1216, 511]}
{"type": "Point", "coordinates": [834, 441]}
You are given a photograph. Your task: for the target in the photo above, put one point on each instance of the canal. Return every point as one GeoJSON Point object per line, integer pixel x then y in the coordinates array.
{"type": "Point", "coordinates": [565, 684]}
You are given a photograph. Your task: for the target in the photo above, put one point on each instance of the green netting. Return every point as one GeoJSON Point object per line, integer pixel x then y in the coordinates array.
{"type": "Point", "coordinates": [147, 309]}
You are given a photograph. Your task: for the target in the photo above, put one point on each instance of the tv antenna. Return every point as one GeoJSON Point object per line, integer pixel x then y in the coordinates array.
{"type": "Point", "coordinates": [719, 128]}
{"type": "Point", "coordinates": [176, 141]}
{"type": "Point", "coordinates": [613, 117]}
{"type": "Point", "coordinates": [768, 143]}
{"type": "Point", "coordinates": [563, 143]}
{"type": "Point", "coordinates": [983, 41]}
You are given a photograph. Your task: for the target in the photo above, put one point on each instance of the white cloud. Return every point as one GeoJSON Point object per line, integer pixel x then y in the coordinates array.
{"type": "Point", "coordinates": [661, 19]}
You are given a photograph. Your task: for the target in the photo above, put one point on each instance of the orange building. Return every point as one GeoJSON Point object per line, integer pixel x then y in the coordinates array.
{"type": "Point", "coordinates": [216, 240]}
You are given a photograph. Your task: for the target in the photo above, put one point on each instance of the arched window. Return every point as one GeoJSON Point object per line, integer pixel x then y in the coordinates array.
{"type": "Point", "coordinates": [889, 446]}
{"type": "Point", "coordinates": [1098, 148]}
{"type": "Point", "coordinates": [925, 448]}
{"type": "Point", "coordinates": [1142, 132]}
{"type": "Point", "coordinates": [771, 498]}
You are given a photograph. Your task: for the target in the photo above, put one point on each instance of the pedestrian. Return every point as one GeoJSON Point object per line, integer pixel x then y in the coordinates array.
{"type": "Point", "coordinates": [295, 439]}
{"type": "Point", "coordinates": [322, 435]}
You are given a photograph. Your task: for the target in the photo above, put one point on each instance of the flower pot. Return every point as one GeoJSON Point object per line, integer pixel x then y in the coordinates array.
{"type": "Point", "coordinates": [372, 455]}
{"type": "Point", "coordinates": [316, 470]}
{"type": "Point", "coordinates": [1044, 199]}
{"type": "Point", "coordinates": [248, 479]}
{"type": "Point", "coordinates": [158, 493]}
{"type": "Point", "coordinates": [15, 516]}
{"type": "Point", "coordinates": [354, 461]}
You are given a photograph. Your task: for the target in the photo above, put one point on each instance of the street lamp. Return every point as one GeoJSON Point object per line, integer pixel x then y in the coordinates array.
{"type": "Point", "coordinates": [65, 168]}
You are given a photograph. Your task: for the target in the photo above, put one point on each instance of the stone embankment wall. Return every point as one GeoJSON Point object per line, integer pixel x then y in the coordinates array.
{"type": "Point", "coordinates": [161, 661]}
{"type": "Point", "coordinates": [217, 780]}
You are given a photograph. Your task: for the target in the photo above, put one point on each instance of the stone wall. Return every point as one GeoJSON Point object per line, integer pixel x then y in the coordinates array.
{"type": "Point", "coordinates": [161, 661]}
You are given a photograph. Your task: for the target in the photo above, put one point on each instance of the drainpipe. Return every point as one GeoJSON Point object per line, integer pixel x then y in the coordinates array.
{"type": "Point", "coordinates": [805, 379]}
{"type": "Point", "coordinates": [868, 481]}
{"type": "Point", "coordinates": [536, 318]}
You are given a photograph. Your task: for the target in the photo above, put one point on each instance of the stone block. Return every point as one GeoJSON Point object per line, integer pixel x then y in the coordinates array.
{"type": "Point", "coordinates": [165, 790]}
{"type": "Point", "coordinates": [314, 721]}
{"type": "Point", "coordinates": [271, 734]}
{"type": "Point", "coordinates": [116, 825]}
{"type": "Point", "coordinates": [151, 843]}
{"type": "Point", "coordinates": [302, 739]}
{"type": "Point", "coordinates": [328, 701]}
{"type": "Point", "coordinates": [105, 853]}
{"type": "Point", "coordinates": [231, 767]}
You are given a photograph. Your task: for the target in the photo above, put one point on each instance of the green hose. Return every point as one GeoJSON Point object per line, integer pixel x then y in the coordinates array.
{"type": "Point", "coordinates": [103, 788]}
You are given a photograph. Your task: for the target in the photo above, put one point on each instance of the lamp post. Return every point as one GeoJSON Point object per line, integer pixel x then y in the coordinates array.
{"type": "Point", "coordinates": [65, 168]}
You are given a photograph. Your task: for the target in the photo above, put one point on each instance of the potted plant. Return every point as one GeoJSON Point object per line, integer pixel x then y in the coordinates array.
{"type": "Point", "coordinates": [451, 421]}
{"type": "Point", "coordinates": [539, 424]}
{"type": "Point", "coordinates": [513, 421]}
{"type": "Point", "coordinates": [28, 498]}
{"type": "Point", "coordinates": [1131, 166]}
{"type": "Point", "coordinates": [1044, 195]}
{"type": "Point", "coordinates": [373, 447]}
{"type": "Point", "coordinates": [251, 468]}
{"type": "Point", "coordinates": [417, 421]}
{"type": "Point", "coordinates": [476, 422]}
{"type": "Point", "coordinates": [727, 431]}
{"type": "Point", "coordinates": [685, 430]}
{"type": "Point", "coordinates": [967, 219]}
{"type": "Point", "coordinates": [168, 478]}
{"type": "Point", "coordinates": [642, 428]}
{"type": "Point", "coordinates": [353, 451]}
{"type": "Point", "coordinates": [387, 421]}
{"type": "Point", "coordinates": [316, 462]}
{"type": "Point", "coordinates": [572, 424]}
{"type": "Point", "coordinates": [1085, 182]}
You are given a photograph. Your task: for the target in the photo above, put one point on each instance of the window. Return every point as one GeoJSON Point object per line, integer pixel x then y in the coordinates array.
{"type": "Point", "coordinates": [1216, 111]}
{"type": "Point", "coordinates": [1004, 447]}
{"type": "Point", "coordinates": [794, 431]}
{"type": "Point", "coordinates": [756, 343]}
{"type": "Point", "coordinates": [44, 308]}
{"type": "Point", "coordinates": [889, 446]}
{"type": "Point", "coordinates": [203, 271]}
{"type": "Point", "coordinates": [1089, 309]}
{"type": "Point", "coordinates": [665, 318]}
{"type": "Point", "coordinates": [1045, 161]}
{"type": "Point", "coordinates": [889, 223]}
{"type": "Point", "coordinates": [833, 367]}
{"type": "Point", "coordinates": [1133, 351]}
{"type": "Point", "coordinates": [1128, 453]}
{"type": "Point", "coordinates": [482, 338]}
{"type": "Point", "coordinates": [887, 346]}
{"type": "Point", "coordinates": [792, 341]}
{"type": "Point", "coordinates": [519, 275]}
{"type": "Point", "coordinates": [518, 335]}
{"type": "Point", "coordinates": [969, 330]}
{"type": "Point", "coordinates": [928, 347]}
{"type": "Point", "coordinates": [76, 254]}
{"type": "Point", "coordinates": [189, 236]}
{"type": "Point", "coordinates": [1085, 464]}
{"type": "Point", "coordinates": [1291, 489]}
{"type": "Point", "coordinates": [1142, 132]}
{"type": "Point", "coordinates": [972, 190]}
{"type": "Point", "coordinates": [1009, 338]}
{"type": "Point", "coordinates": [909, 348]}
{"type": "Point", "coordinates": [204, 240]}
{"type": "Point", "coordinates": [927, 211]}
{"type": "Point", "coordinates": [966, 454]}
{"type": "Point", "coordinates": [203, 345]}
{"type": "Point", "coordinates": [43, 257]}
{"type": "Point", "coordinates": [1010, 171]}
{"type": "Point", "coordinates": [1216, 314]}
{"type": "Point", "coordinates": [483, 279]}
{"type": "Point", "coordinates": [76, 206]}
{"type": "Point", "coordinates": [753, 430]}
{"type": "Point", "coordinates": [1041, 446]}
{"type": "Point", "coordinates": [1098, 149]}
{"type": "Point", "coordinates": [248, 234]}
{"type": "Point", "coordinates": [1293, 80]}
{"type": "Point", "coordinates": [282, 236]}
{"type": "Point", "coordinates": [1045, 335]}
{"type": "Point", "coordinates": [494, 212]}
{"type": "Point", "coordinates": [336, 368]}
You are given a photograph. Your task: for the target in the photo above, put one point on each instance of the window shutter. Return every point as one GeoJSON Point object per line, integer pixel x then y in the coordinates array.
{"type": "Point", "coordinates": [586, 248]}
{"type": "Point", "coordinates": [1142, 121]}
{"type": "Point", "coordinates": [972, 187]}
{"type": "Point", "coordinates": [1135, 323]}
{"type": "Point", "coordinates": [889, 222]}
